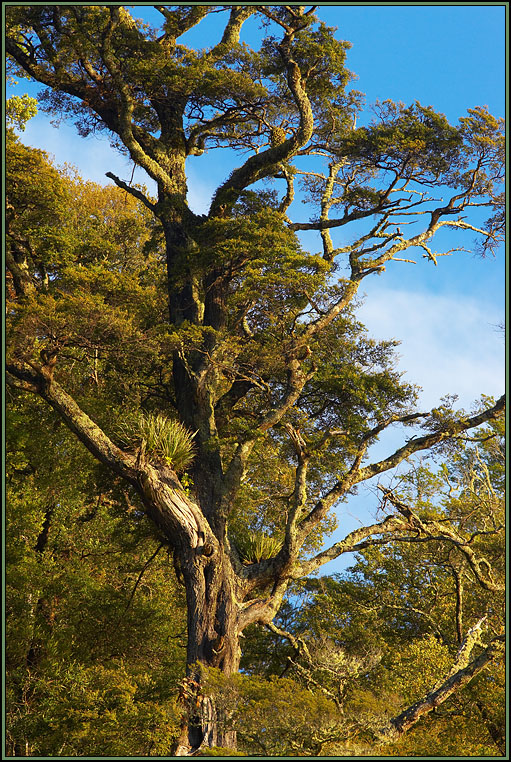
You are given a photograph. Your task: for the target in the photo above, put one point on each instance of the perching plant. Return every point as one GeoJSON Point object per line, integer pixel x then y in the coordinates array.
{"type": "Point", "coordinates": [254, 547]}
{"type": "Point", "coordinates": [163, 437]}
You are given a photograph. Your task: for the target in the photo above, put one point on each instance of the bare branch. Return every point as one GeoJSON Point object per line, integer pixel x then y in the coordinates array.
{"type": "Point", "coordinates": [141, 574]}
{"type": "Point", "coordinates": [351, 543]}
{"type": "Point", "coordinates": [301, 649]}
{"type": "Point", "coordinates": [432, 256]}
{"type": "Point", "coordinates": [440, 531]}
{"type": "Point", "coordinates": [133, 191]}
{"type": "Point", "coordinates": [427, 441]}
{"type": "Point", "coordinates": [290, 191]}
{"type": "Point", "coordinates": [461, 673]}
{"type": "Point", "coordinates": [299, 495]}
{"type": "Point", "coordinates": [358, 474]}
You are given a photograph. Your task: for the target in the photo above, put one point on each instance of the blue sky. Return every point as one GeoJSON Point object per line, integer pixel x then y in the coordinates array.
{"type": "Point", "coordinates": [451, 57]}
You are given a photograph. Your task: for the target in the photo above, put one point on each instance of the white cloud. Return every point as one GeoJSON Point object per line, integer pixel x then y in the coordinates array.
{"type": "Point", "coordinates": [449, 344]}
{"type": "Point", "coordinates": [92, 156]}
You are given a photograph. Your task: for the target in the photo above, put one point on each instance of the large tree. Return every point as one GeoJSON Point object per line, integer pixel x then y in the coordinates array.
{"type": "Point", "coordinates": [257, 356]}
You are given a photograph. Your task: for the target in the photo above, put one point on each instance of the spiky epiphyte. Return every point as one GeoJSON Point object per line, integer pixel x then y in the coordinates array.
{"type": "Point", "coordinates": [254, 547]}
{"type": "Point", "coordinates": [163, 437]}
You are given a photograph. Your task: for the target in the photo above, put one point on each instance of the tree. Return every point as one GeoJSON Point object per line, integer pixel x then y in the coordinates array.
{"type": "Point", "coordinates": [376, 638]}
{"type": "Point", "coordinates": [258, 356]}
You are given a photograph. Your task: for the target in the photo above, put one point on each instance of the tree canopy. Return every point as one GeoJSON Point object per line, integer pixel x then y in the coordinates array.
{"type": "Point", "coordinates": [226, 393]}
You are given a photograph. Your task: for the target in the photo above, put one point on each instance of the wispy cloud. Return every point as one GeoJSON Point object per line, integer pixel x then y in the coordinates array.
{"type": "Point", "coordinates": [92, 156]}
{"type": "Point", "coordinates": [449, 344]}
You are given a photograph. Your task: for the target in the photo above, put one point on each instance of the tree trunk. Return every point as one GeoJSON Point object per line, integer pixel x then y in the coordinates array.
{"type": "Point", "coordinates": [213, 641]}
{"type": "Point", "coordinates": [211, 586]}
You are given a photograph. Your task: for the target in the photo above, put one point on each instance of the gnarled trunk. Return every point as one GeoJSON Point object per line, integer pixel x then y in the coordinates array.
{"type": "Point", "coordinates": [213, 641]}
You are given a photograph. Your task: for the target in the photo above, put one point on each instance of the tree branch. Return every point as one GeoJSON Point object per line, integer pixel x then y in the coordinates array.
{"type": "Point", "coordinates": [178, 23]}
{"type": "Point", "coordinates": [162, 494]}
{"type": "Point", "coordinates": [263, 164]}
{"type": "Point", "coordinates": [461, 673]}
{"type": "Point", "coordinates": [440, 531]}
{"type": "Point", "coordinates": [39, 380]}
{"type": "Point", "coordinates": [351, 543]}
{"type": "Point", "coordinates": [139, 578]}
{"type": "Point", "coordinates": [425, 443]}
{"type": "Point", "coordinates": [291, 546]}
{"type": "Point", "coordinates": [358, 474]}
{"type": "Point", "coordinates": [297, 378]}
{"type": "Point", "coordinates": [301, 649]}
{"type": "Point", "coordinates": [134, 192]}
{"type": "Point", "coordinates": [127, 107]}
{"type": "Point", "coordinates": [24, 283]}
{"type": "Point", "coordinates": [231, 35]}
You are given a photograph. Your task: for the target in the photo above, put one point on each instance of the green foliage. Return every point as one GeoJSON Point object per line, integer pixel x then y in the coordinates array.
{"type": "Point", "coordinates": [218, 751]}
{"type": "Point", "coordinates": [323, 57]}
{"type": "Point", "coordinates": [276, 717]}
{"type": "Point", "coordinates": [85, 615]}
{"type": "Point", "coordinates": [413, 137]}
{"type": "Point", "coordinates": [223, 325]}
{"type": "Point", "coordinates": [37, 198]}
{"type": "Point", "coordinates": [100, 296]}
{"type": "Point", "coordinates": [272, 272]}
{"type": "Point", "coordinates": [93, 658]}
{"type": "Point", "coordinates": [83, 708]}
{"type": "Point", "coordinates": [163, 437]}
{"type": "Point", "coordinates": [19, 109]}
{"type": "Point", "coordinates": [256, 546]}
{"type": "Point", "coordinates": [382, 635]}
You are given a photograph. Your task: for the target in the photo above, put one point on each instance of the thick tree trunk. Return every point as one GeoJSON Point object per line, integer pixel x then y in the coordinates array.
{"type": "Point", "coordinates": [213, 641]}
